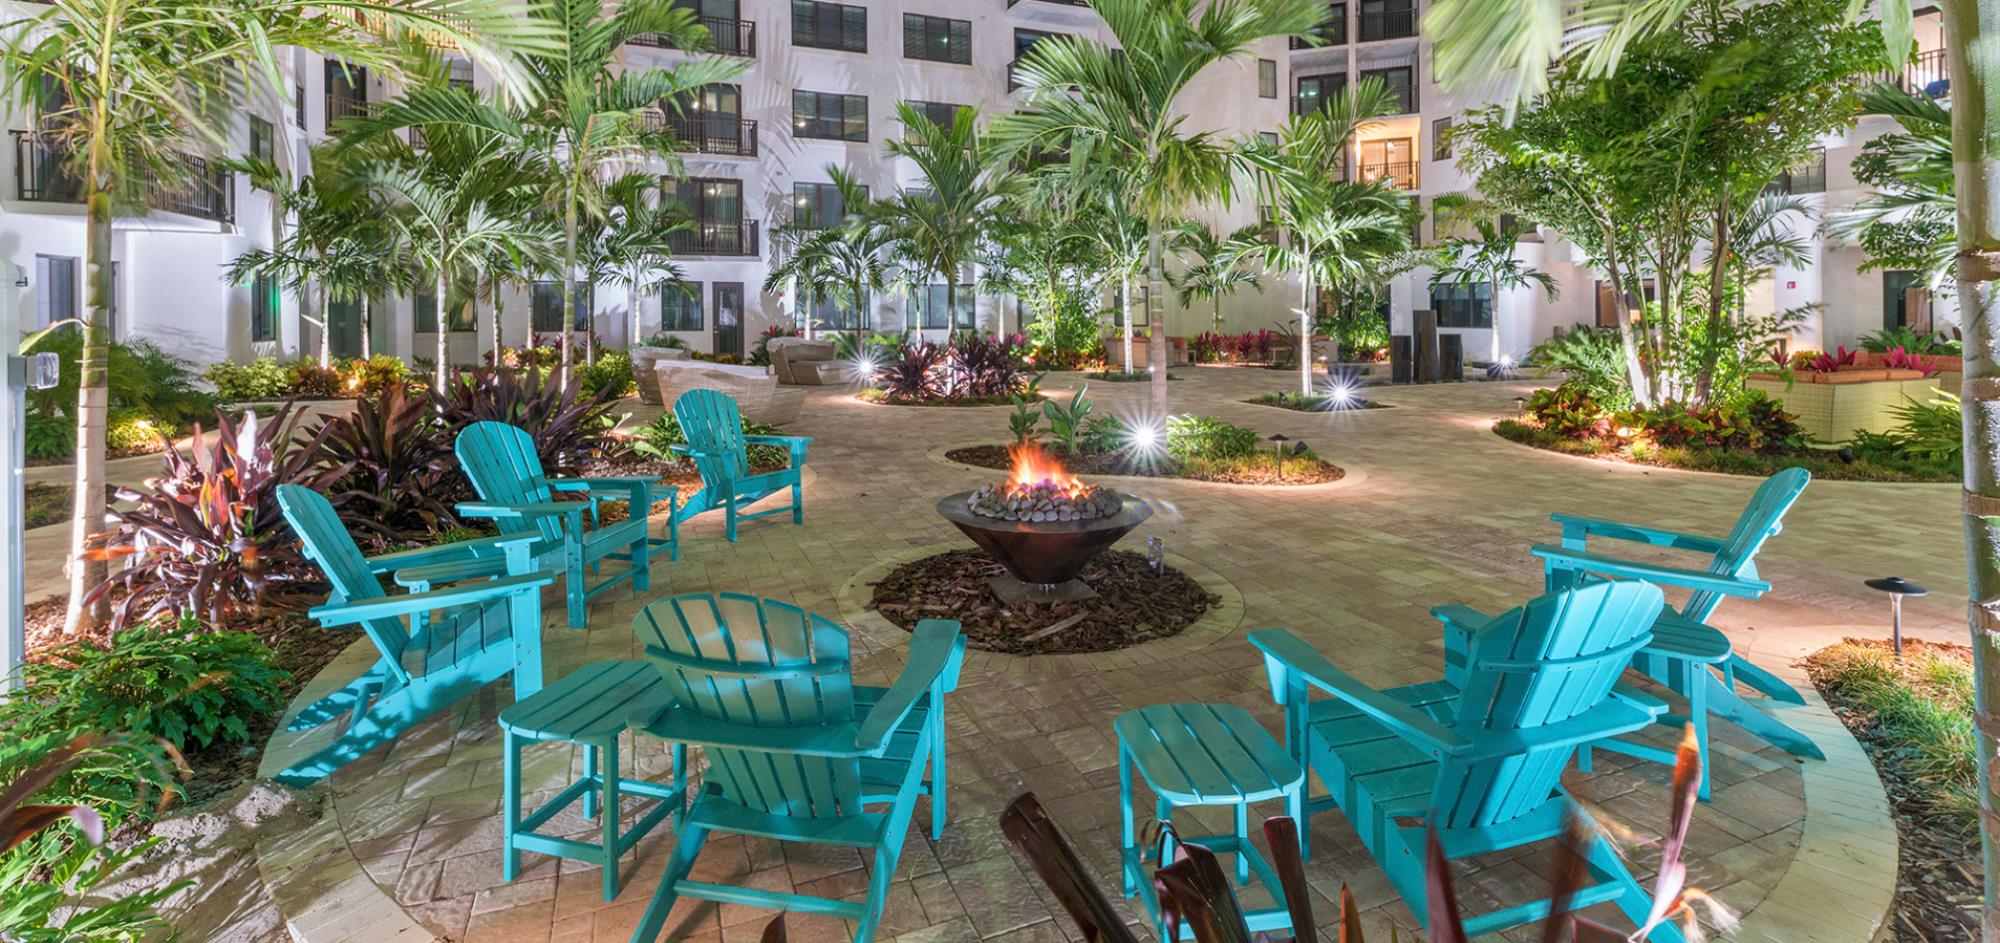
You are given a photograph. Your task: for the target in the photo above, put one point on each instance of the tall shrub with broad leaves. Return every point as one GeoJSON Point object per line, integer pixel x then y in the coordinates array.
{"type": "Point", "coordinates": [980, 365]}
{"type": "Point", "coordinates": [206, 536]}
{"type": "Point", "coordinates": [567, 424]}
{"type": "Point", "coordinates": [402, 480]}
{"type": "Point", "coordinates": [911, 373]}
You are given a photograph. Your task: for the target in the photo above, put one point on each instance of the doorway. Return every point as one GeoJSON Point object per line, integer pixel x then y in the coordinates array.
{"type": "Point", "coordinates": [729, 318]}
{"type": "Point", "coordinates": [343, 319]}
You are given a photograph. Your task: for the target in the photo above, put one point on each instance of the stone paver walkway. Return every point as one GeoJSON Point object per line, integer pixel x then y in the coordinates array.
{"type": "Point", "coordinates": [1440, 511]}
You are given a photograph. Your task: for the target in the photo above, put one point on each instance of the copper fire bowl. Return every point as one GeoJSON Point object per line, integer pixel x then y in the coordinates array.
{"type": "Point", "coordinates": [1044, 553]}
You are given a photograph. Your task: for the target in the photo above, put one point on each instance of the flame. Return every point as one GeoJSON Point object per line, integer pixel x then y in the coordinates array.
{"type": "Point", "coordinates": [1033, 466]}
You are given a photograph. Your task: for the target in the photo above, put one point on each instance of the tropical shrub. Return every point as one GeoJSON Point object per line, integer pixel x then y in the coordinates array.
{"type": "Point", "coordinates": [568, 424]}
{"type": "Point", "coordinates": [543, 356]}
{"type": "Point", "coordinates": [911, 372]}
{"type": "Point", "coordinates": [129, 430]}
{"type": "Point", "coordinates": [1924, 432]}
{"type": "Point", "coordinates": [265, 378]}
{"type": "Point", "coordinates": [1025, 421]}
{"type": "Point", "coordinates": [657, 439]}
{"type": "Point", "coordinates": [1066, 335]}
{"type": "Point", "coordinates": [1909, 339]}
{"type": "Point", "coordinates": [206, 536]}
{"type": "Point", "coordinates": [980, 365]}
{"type": "Point", "coordinates": [1896, 358]}
{"type": "Point", "coordinates": [1103, 434]}
{"type": "Point", "coordinates": [402, 479]}
{"type": "Point", "coordinates": [369, 376]}
{"type": "Point", "coordinates": [49, 436]}
{"type": "Point", "coordinates": [760, 353]}
{"type": "Point", "coordinates": [663, 339]}
{"type": "Point", "coordinates": [169, 679]}
{"type": "Point", "coordinates": [1595, 362]}
{"type": "Point", "coordinates": [309, 380]}
{"type": "Point", "coordinates": [611, 373]}
{"type": "Point", "coordinates": [1569, 411]}
{"type": "Point", "coordinates": [1206, 437]}
{"type": "Point", "coordinates": [1206, 347]}
{"type": "Point", "coordinates": [1840, 359]}
{"type": "Point", "coordinates": [1066, 420]}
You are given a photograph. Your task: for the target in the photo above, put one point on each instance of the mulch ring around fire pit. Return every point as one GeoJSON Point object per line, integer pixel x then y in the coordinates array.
{"type": "Point", "coordinates": [1133, 604]}
{"type": "Point", "coordinates": [1262, 469]}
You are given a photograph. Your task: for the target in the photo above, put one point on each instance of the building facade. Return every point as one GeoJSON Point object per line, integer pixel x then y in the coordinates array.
{"type": "Point", "coordinates": [819, 88]}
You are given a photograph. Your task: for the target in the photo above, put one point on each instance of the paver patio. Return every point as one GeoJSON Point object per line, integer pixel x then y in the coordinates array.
{"type": "Point", "coordinates": [1436, 510]}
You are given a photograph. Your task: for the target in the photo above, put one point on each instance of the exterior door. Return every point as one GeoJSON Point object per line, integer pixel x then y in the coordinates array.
{"type": "Point", "coordinates": [729, 318]}
{"type": "Point", "coordinates": [343, 319]}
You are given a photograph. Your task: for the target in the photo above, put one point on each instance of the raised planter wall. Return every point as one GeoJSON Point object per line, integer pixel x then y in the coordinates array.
{"type": "Point", "coordinates": [1832, 411]}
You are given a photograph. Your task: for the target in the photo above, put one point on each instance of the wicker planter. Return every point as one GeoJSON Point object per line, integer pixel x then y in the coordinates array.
{"type": "Point", "coordinates": [1831, 406]}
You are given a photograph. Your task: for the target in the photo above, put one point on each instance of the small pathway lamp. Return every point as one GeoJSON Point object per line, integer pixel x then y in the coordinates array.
{"type": "Point", "coordinates": [1897, 587]}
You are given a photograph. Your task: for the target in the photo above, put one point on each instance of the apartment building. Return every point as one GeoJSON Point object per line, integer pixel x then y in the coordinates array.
{"type": "Point", "coordinates": [819, 87]}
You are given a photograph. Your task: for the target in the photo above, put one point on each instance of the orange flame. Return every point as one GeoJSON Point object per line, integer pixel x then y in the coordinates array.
{"type": "Point", "coordinates": [1033, 465]}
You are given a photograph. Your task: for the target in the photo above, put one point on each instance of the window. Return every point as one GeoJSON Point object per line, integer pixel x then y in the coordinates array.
{"type": "Point", "coordinates": [1441, 139]}
{"type": "Point", "coordinates": [545, 307]}
{"type": "Point", "coordinates": [1267, 78]}
{"type": "Point", "coordinates": [928, 305]}
{"type": "Point", "coordinates": [1905, 302]}
{"type": "Point", "coordinates": [263, 309]}
{"type": "Point", "coordinates": [680, 307]}
{"type": "Point", "coordinates": [820, 25]}
{"type": "Point", "coordinates": [937, 39]}
{"type": "Point", "coordinates": [708, 199]}
{"type": "Point", "coordinates": [1331, 31]}
{"type": "Point", "coordinates": [1317, 92]}
{"type": "Point", "coordinates": [425, 309]}
{"type": "Point", "coordinates": [831, 312]}
{"type": "Point", "coordinates": [55, 289]}
{"type": "Point", "coordinates": [1270, 137]}
{"type": "Point", "coordinates": [1607, 308]}
{"type": "Point", "coordinates": [1393, 159]}
{"type": "Point", "coordinates": [937, 113]}
{"type": "Point", "coordinates": [1808, 177]}
{"type": "Point", "coordinates": [1387, 19]}
{"type": "Point", "coordinates": [263, 143]}
{"type": "Point", "coordinates": [830, 115]}
{"type": "Point", "coordinates": [1400, 81]}
{"type": "Point", "coordinates": [817, 205]}
{"type": "Point", "coordinates": [1467, 306]}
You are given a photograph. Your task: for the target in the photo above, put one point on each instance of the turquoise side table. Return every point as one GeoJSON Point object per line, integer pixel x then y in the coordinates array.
{"type": "Point", "coordinates": [1205, 754]}
{"type": "Point", "coordinates": [590, 706]}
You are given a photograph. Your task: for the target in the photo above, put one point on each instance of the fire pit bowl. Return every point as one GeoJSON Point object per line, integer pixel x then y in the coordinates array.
{"type": "Point", "coordinates": [1045, 555]}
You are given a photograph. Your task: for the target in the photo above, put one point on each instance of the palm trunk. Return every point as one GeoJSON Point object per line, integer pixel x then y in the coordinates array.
{"type": "Point", "coordinates": [1975, 117]}
{"type": "Point", "coordinates": [632, 308]}
{"type": "Point", "coordinates": [1717, 281]}
{"type": "Point", "coordinates": [1125, 314]}
{"type": "Point", "coordinates": [1493, 298]}
{"type": "Point", "coordinates": [326, 331]}
{"type": "Point", "coordinates": [1305, 334]}
{"type": "Point", "coordinates": [499, 322]}
{"type": "Point", "coordinates": [569, 282]}
{"type": "Point", "coordinates": [1156, 316]}
{"type": "Point", "coordinates": [439, 370]}
{"type": "Point", "coordinates": [1635, 371]}
{"type": "Point", "coordinates": [93, 404]}
{"type": "Point", "coordinates": [367, 327]}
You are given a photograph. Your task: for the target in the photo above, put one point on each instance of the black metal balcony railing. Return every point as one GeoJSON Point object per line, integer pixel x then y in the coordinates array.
{"type": "Point", "coordinates": [1403, 173]}
{"type": "Point", "coordinates": [1388, 24]}
{"type": "Point", "coordinates": [1926, 74]}
{"type": "Point", "coordinates": [726, 135]}
{"type": "Point", "coordinates": [41, 173]}
{"type": "Point", "coordinates": [1013, 75]}
{"type": "Point", "coordinates": [728, 37]}
{"type": "Point", "coordinates": [1011, 4]}
{"type": "Point", "coordinates": [716, 237]}
{"type": "Point", "coordinates": [344, 106]}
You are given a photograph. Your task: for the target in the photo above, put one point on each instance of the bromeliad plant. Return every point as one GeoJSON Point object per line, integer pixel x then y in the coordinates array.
{"type": "Point", "coordinates": [206, 536]}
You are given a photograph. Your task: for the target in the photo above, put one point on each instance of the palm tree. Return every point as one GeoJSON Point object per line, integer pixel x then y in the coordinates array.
{"type": "Point", "coordinates": [126, 90]}
{"type": "Point", "coordinates": [442, 215]}
{"type": "Point", "coordinates": [1220, 270]}
{"type": "Point", "coordinates": [1486, 257]}
{"type": "Point", "coordinates": [937, 229]}
{"type": "Point", "coordinates": [1335, 233]}
{"type": "Point", "coordinates": [1476, 39]}
{"type": "Point", "coordinates": [627, 246]}
{"type": "Point", "coordinates": [336, 242]}
{"type": "Point", "coordinates": [845, 260]}
{"type": "Point", "coordinates": [1117, 106]}
{"type": "Point", "coordinates": [585, 117]}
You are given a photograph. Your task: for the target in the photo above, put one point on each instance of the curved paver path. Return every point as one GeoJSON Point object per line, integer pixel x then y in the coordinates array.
{"type": "Point", "coordinates": [1444, 513]}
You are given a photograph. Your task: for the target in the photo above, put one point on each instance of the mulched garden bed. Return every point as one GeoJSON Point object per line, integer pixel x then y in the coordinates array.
{"type": "Point", "coordinates": [1938, 879]}
{"type": "Point", "coordinates": [299, 646]}
{"type": "Point", "coordinates": [109, 455]}
{"type": "Point", "coordinates": [1822, 463]}
{"type": "Point", "coordinates": [681, 475]}
{"type": "Point", "coordinates": [1314, 404]}
{"type": "Point", "coordinates": [1133, 604]}
{"type": "Point", "coordinates": [1260, 471]}
{"type": "Point", "coordinates": [1121, 376]}
{"type": "Point", "coordinates": [46, 504]}
{"type": "Point", "coordinates": [880, 397]}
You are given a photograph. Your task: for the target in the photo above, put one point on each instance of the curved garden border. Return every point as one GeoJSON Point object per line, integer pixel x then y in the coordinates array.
{"type": "Point", "coordinates": [1640, 468]}
{"type": "Point", "coordinates": [944, 405]}
{"type": "Point", "coordinates": [1349, 474]}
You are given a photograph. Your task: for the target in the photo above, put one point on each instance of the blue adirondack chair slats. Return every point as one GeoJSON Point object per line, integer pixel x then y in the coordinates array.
{"type": "Point", "coordinates": [715, 441]}
{"type": "Point", "coordinates": [519, 499]}
{"type": "Point", "coordinates": [457, 639]}
{"type": "Point", "coordinates": [795, 751]}
{"type": "Point", "coordinates": [1688, 656]}
{"type": "Point", "coordinates": [1479, 755]}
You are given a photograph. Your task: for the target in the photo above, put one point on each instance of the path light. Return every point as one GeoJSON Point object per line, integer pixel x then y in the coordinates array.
{"type": "Point", "coordinates": [1156, 554]}
{"type": "Point", "coordinates": [1278, 441]}
{"type": "Point", "coordinates": [1520, 407]}
{"type": "Point", "coordinates": [1897, 587]}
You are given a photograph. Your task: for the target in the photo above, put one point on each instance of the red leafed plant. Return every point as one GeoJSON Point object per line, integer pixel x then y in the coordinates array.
{"type": "Point", "coordinates": [1840, 359]}
{"type": "Point", "coordinates": [1896, 358]}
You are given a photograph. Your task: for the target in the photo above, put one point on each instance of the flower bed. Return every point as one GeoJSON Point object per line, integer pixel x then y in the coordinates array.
{"type": "Point", "coordinates": [968, 370]}
{"type": "Point", "coordinates": [1198, 448]}
{"type": "Point", "coordinates": [1324, 403]}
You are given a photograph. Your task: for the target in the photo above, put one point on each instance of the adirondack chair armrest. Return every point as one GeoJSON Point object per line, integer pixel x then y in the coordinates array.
{"type": "Point", "coordinates": [637, 486]}
{"type": "Point", "coordinates": [1290, 652]}
{"type": "Point", "coordinates": [541, 509]}
{"type": "Point", "coordinates": [1609, 719]}
{"type": "Point", "coordinates": [435, 573]}
{"type": "Point", "coordinates": [937, 648]}
{"type": "Point", "coordinates": [1558, 558]}
{"type": "Point", "coordinates": [387, 607]}
{"type": "Point", "coordinates": [797, 443]}
{"type": "Point", "coordinates": [1578, 528]}
{"type": "Point", "coordinates": [680, 725]}
{"type": "Point", "coordinates": [479, 548]}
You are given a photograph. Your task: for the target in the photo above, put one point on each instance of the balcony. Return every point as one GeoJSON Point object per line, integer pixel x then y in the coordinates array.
{"type": "Point", "coordinates": [1402, 173]}
{"type": "Point", "coordinates": [721, 135]}
{"type": "Point", "coordinates": [729, 37]}
{"type": "Point", "coordinates": [340, 106]}
{"type": "Point", "coordinates": [1926, 74]}
{"type": "Point", "coordinates": [1011, 4]}
{"type": "Point", "coordinates": [1332, 32]}
{"type": "Point", "coordinates": [733, 237]}
{"type": "Point", "coordinates": [1387, 24]}
{"type": "Point", "coordinates": [40, 175]}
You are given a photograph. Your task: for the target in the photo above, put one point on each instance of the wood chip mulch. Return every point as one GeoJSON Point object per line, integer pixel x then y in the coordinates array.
{"type": "Point", "coordinates": [1133, 604]}
{"type": "Point", "coordinates": [1297, 471]}
{"type": "Point", "coordinates": [1938, 877]}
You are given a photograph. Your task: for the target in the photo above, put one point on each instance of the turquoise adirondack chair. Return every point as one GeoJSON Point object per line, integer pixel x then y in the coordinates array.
{"type": "Point", "coordinates": [1479, 758]}
{"type": "Point", "coordinates": [715, 440]}
{"type": "Point", "coordinates": [514, 493]}
{"type": "Point", "coordinates": [796, 751]}
{"type": "Point", "coordinates": [1688, 656]}
{"type": "Point", "coordinates": [458, 639]}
